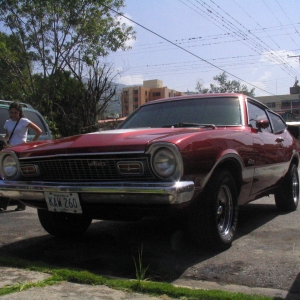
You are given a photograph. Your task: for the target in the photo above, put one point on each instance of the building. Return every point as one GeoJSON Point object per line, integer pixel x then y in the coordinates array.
{"type": "Point", "coordinates": [288, 106]}
{"type": "Point", "coordinates": [134, 96]}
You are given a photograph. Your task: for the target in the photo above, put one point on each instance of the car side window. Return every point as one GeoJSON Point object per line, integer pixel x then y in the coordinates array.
{"type": "Point", "coordinates": [256, 113]}
{"type": "Point", "coordinates": [33, 117]}
{"type": "Point", "coordinates": [277, 123]}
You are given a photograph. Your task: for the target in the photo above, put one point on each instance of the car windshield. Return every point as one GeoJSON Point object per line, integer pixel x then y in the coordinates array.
{"type": "Point", "coordinates": [223, 111]}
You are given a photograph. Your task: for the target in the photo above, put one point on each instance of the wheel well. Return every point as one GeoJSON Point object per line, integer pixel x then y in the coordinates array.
{"type": "Point", "coordinates": [295, 161]}
{"type": "Point", "coordinates": [234, 168]}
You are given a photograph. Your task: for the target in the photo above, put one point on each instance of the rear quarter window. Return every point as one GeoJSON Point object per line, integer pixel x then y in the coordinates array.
{"type": "Point", "coordinates": [277, 123]}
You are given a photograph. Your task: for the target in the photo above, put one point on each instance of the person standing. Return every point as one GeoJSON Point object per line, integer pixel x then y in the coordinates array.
{"type": "Point", "coordinates": [16, 131]}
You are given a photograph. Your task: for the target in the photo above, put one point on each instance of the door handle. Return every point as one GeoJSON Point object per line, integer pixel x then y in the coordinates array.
{"type": "Point", "coordinates": [279, 140]}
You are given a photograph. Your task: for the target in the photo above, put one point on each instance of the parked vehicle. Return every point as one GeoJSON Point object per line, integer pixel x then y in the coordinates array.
{"type": "Point", "coordinates": [34, 116]}
{"type": "Point", "coordinates": [196, 158]}
{"type": "Point", "coordinates": [30, 113]}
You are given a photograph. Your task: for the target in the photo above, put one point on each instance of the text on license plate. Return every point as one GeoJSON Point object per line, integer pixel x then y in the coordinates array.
{"type": "Point", "coordinates": [63, 202]}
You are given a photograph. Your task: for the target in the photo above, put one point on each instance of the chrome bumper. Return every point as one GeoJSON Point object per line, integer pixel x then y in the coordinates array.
{"type": "Point", "coordinates": [109, 192]}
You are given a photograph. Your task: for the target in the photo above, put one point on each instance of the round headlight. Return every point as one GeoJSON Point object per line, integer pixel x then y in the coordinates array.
{"type": "Point", "coordinates": [164, 163]}
{"type": "Point", "coordinates": [9, 166]}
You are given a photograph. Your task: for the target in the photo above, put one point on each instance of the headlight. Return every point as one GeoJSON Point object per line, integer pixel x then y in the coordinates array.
{"type": "Point", "coordinates": [9, 166]}
{"type": "Point", "coordinates": [164, 163]}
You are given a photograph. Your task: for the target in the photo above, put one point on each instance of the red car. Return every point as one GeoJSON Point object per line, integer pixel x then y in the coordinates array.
{"type": "Point", "coordinates": [197, 158]}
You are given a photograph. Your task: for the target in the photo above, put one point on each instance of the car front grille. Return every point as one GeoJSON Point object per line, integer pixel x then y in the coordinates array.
{"type": "Point", "coordinates": [87, 169]}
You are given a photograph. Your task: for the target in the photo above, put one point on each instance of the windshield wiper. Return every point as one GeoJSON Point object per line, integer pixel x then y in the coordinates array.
{"type": "Point", "coordinates": [178, 125]}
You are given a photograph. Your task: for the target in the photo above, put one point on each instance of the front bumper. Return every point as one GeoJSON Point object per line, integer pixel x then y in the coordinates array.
{"type": "Point", "coordinates": [99, 192]}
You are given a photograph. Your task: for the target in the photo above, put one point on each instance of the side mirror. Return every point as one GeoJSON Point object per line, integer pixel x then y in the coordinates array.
{"type": "Point", "coordinates": [262, 124]}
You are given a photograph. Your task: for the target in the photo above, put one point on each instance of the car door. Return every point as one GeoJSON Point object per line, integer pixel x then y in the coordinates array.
{"type": "Point", "coordinates": [284, 139]}
{"type": "Point", "coordinates": [268, 147]}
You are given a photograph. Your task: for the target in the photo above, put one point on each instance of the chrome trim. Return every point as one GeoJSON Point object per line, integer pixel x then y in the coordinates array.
{"type": "Point", "coordinates": [141, 167]}
{"type": "Point", "coordinates": [82, 154]}
{"type": "Point", "coordinates": [154, 193]}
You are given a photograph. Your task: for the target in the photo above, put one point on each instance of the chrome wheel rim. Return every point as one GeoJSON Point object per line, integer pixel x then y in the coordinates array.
{"type": "Point", "coordinates": [295, 186]}
{"type": "Point", "coordinates": [224, 210]}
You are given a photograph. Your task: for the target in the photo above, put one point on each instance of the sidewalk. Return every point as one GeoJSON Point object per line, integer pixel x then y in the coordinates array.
{"type": "Point", "coordinates": [66, 290]}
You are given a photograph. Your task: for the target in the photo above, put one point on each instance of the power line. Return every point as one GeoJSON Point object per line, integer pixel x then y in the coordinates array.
{"type": "Point", "coordinates": [289, 56]}
{"type": "Point", "coordinates": [186, 50]}
{"type": "Point", "coordinates": [276, 18]}
{"type": "Point", "coordinates": [252, 18]}
{"type": "Point", "coordinates": [246, 35]}
{"type": "Point", "coordinates": [287, 16]}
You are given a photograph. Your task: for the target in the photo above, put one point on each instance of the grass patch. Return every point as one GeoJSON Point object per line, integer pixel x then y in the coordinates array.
{"type": "Point", "coordinates": [139, 285]}
{"type": "Point", "coordinates": [140, 270]}
{"type": "Point", "coordinates": [22, 286]}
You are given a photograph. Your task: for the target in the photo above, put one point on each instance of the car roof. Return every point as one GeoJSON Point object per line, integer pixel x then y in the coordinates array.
{"type": "Point", "coordinates": [6, 103]}
{"type": "Point", "coordinates": [209, 95]}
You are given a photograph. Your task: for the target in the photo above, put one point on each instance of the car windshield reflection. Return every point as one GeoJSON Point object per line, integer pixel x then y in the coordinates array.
{"type": "Point", "coordinates": [207, 112]}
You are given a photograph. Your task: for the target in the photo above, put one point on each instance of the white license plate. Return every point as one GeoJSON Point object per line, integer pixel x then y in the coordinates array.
{"type": "Point", "coordinates": [63, 202]}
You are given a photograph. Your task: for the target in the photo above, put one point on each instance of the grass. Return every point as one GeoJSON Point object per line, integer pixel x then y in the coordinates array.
{"type": "Point", "coordinates": [140, 271]}
{"type": "Point", "coordinates": [141, 286]}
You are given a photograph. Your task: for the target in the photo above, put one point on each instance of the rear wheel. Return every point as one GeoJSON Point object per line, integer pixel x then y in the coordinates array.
{"type": "Point", "coordinates": [214, 221]}
{"type": "Point", "coordinates": [63, 224]}
{"type": "Point", "coordinates": [287, 197]}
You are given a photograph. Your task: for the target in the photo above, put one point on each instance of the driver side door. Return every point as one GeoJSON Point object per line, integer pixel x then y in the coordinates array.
{"type": "Point", "coordinates": [268, 148]}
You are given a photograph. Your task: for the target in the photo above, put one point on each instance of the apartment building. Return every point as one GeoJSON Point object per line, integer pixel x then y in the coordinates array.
{"type": "Point", "coordinates": [288, 106]}
{"type": "Point", "coordinates": [134, 96]}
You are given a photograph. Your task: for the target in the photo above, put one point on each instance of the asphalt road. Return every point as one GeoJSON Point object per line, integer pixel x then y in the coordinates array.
{"type": "Point", "coordinates": [266, 252]}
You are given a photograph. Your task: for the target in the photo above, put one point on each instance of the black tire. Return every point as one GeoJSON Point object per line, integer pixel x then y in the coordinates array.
{"type": "Point", "coordinates": [287, 197]}
{"type": "Point", "coordinates": [214, 221]}
{"type": "Point", "coordinates": [63, 224]}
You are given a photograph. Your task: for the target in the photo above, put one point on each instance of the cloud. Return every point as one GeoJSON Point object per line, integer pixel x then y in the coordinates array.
{"type": "Point", "coordinates": [260, 84]}
{"type": "Point", "coordinates": [126, 20]}
{"type": "Point", "coordinates": [131, 80]}
{"type": "Point", "coordinates": [280, 57]}
{"type": "Point", "coordinates": [265, 76]}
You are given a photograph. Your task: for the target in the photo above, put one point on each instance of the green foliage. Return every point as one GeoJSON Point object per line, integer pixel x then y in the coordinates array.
{"type": "Point", "coordinates": [14, 76]}
{"type": "Point", "coordinates": [61, 43]}
{"type": "Point", "coordinates": [140, 270]}
{"type": "Point", "coordinates": [86, 277]}
{"type": "Point", "coordinates": [53, 32]}
{"type": "Point", "coordinates": [65, 93]}
{"type": "Point", "coordinates": [223, 85]}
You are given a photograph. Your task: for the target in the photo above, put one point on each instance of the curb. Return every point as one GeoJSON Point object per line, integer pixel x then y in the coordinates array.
{"type": "Point", "coordinates": [12, 276]}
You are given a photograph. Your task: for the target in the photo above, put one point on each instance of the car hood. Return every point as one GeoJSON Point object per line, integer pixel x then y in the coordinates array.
{"type": "Point", "coordinates": [117, 140]}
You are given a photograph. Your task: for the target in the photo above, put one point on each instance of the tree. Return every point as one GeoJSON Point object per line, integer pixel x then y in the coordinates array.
{"type": "Point", "coordinates": [224, 86]}
{"type": "Point", "coordinates": [200, 88]}
{"type": "Point", "coordinates": [79, 104]}
{"type": "Point", "coordinates": [61, 36]}
{"type": "Point", "coordinates": [13, 70]}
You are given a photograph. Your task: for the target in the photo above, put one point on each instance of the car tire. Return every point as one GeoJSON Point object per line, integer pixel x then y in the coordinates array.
{"type": "Point", "coordinates": [214, 221]}
{"type": "Point", "coordinates": [63, 224]}
{"type": "Point", "coordinates": [287, 197]}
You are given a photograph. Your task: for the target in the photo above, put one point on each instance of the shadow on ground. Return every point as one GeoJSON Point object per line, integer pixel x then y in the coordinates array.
{"type": "Point", "coordinates": [109, 248]}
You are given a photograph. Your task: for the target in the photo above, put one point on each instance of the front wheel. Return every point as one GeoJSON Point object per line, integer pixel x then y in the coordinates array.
{"type": "Point", "coordinates": [214, 220]}
{"type": "Point", "coordinates": [64, 224]}
{"type": "Point", "coordinates": [287, 197]}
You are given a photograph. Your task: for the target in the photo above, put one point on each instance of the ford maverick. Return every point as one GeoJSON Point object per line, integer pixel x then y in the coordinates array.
{"type": "Point", "coordinates": [196, 158]}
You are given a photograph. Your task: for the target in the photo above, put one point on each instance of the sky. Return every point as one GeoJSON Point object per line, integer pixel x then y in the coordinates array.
{"type": "Point", "coordinates": [182, 42]}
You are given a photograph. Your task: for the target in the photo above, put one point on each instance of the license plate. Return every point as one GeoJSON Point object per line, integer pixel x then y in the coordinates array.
{"type": "Point", "coordinates": [63, 202]}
